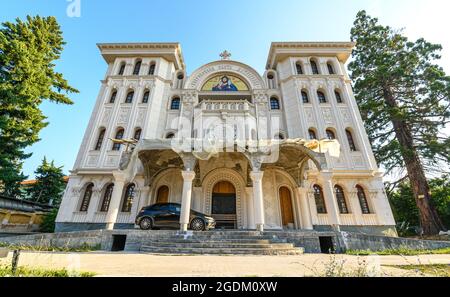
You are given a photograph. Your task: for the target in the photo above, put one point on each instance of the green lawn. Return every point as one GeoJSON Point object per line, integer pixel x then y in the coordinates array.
{"type": "Point", "coordinates": [440, 270]}
{"type": "Point", "coordinates": [399, 251]}
{"type": "Point", "coordinates": [5, 271]}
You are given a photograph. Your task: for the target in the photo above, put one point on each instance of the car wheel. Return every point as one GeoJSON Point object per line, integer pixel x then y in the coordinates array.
{"type": "Point", "coordinates": [197, 224]}
{"type": "Point", "coordinates": [145, 224]}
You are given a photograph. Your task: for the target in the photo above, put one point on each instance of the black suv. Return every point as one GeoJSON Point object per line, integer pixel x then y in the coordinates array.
{"type": "Point", "coordinates": [167, 215]}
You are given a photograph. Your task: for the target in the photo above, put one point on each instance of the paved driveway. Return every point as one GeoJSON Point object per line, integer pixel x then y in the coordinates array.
{"type": "Point", "coordinates": [135, 264]}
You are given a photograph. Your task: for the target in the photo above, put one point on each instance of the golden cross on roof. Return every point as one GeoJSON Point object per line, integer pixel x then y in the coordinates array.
{"type": "Point", "coordinates": [225, 55]}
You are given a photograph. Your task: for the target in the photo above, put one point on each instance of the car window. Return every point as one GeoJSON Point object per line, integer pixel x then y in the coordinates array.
{"type": "Point", "coordinates": [175, 208]}
{"type": "Point", "coordinates": [154, 207]}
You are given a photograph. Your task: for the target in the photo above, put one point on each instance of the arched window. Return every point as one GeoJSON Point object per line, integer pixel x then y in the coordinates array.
{"type": "Point", "coordinates": [145, 97]}
{"type": "Point", "coordinates": [122, 69]}
{"type": "Point", "coordinates": [112, 99]}
{"type": "Point", "coordinates": [170, 135]}
{"type": "Point", "coordinates": [137, 68]}
{"type": "Point", "coordinates": [314, 68]}
{"type": "Point", "coordinates": [101, 136]}
{"type": "Point", "coordinates": [86, 197]}
{"type": "Point", "coordinates": [312, 134]}
{"type": "Point", "coordinates": [274, 103]}
{"type": "Point", "coordinates": [351, 143]}
{"type": "Point", "coordinates": [330, 68]}
{"type": "Point", "coordinates": [119, 135]}
{"type": "Point", "coordinates": [151, 69]}
{"type": "Point", "coordinates": [107, 198]}
{"type": "Point", "coordinates": [298, 67]}
{"type": "Point", "coordinates": [321, 96]}
{"type": "Point", "coordinates": [330, 134]}
{"type": "Point", "coordinates": [320, 201]}
{"type": "Point", "coordinates": [305, 97]}
{"type": "Point", "coordinates": [362, 200]}
{"type": "Point", "coordinates": [340, 197]}
{"type": "Point", "coordinates": [175, 104]}
{"type": "Point", "coordinates": [338, 96]}
{"type": "Point", "coordinates": [128, 198]}
{"type": "Point", "coordinates": [129, 98]}
{"type": "Point", "coordinates": [137, 133]}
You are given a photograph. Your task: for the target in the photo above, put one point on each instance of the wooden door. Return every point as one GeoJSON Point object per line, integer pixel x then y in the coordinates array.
{"type": "Point", "coordinates": [287, 213]}
{"type": "Point", "coordinates": [163, 195]}
{"type": "Point", "coordinates": [223, 205]}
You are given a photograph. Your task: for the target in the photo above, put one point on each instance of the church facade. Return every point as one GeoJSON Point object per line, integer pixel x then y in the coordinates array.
{"type": "Point", "coordinates": [285, 150]}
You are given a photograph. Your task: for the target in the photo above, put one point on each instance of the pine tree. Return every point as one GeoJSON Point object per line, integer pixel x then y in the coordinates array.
{"type": "Point", "coordinates": [28, 51]}
{"type": "Point", "coordinates": [49, 184]}
{"type": "Point", "coordinates": [404, 101]}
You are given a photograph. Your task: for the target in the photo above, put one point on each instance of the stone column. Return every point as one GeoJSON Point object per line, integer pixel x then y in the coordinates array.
{"type": "Point", "coordinates": [304, 208]}
{"type": "Point", "coordinates": [143, 195]}
{"type": "Point", "coordinates": [188, 177]}
{"type": "Point", "coordinates": [114, 204]}
{"type": "Point", "coordinates": [258, 200]}
{"type": "Point", "coordinates": [331, 203]}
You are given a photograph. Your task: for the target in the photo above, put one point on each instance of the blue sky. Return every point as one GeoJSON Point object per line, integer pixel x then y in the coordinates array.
{"type": "Point", "coordinates": [204, 28]}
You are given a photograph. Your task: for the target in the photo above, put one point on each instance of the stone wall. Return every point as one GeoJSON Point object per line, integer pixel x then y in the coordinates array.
{"type": "Point", "coordinates": [61, 240]}
{"type": "Point", "coordinates": [355, 241]}
{"type": "Point", "coordinates": [309, 240]}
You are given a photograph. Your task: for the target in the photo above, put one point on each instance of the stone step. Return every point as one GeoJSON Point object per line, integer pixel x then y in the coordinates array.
{"type": "Point", "coordinates": [200, 240]}
{"type": "Point", "coordinates": [204, 233]}
{"type": "Point", "coordinates": [211, 237]}
{"type": "Point", "coordinates": [219, 244]}
{"type": "Point", "coordinates": [205, 251]}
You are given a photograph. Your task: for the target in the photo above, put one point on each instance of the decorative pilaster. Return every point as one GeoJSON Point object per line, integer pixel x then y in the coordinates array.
{"type": "Point", "coordinates": [116, 197]}
{"type": "Point", "coordinates": [332, 207]}
{"type": "Point", "coordinates": [93, 205]}
{"type": "Point", "coordinates": [356, 208]}
{"type": "Point", "coordinates": [258, 200]}
{"type": "Point", "coordinates": [188, 177]}
{"type": "Point", "coordinates": [304, 208]}
{"type": "Point", "coordinates": [143, 198]}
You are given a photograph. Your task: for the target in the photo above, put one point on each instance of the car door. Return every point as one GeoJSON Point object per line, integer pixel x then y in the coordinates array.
{"type": "Point", "coordinates": [167, 216]}
{"type": "Point", "coordinates": [157, 214]}
{"type": "Point", "coordinates": [175, 210]}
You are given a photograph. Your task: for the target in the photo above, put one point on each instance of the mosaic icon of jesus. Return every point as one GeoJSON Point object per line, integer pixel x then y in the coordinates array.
{"type": "Point", "coordinates": [225, 84]}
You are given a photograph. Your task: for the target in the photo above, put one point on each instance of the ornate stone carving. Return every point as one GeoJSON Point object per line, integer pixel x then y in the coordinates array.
{"type": "Point", "coordinates": [124, 114]}
{"type": "Point", "coordinates": [140, 117]}
{"type": "Point", "coordinates": [106, 116]}
{"type": "Point", "coordinates": [309, 115]}
{"type": "Point", "coordinates": [200, 75]}
{"type": "Point", "coordinates": [345, 115]}
{"type": "Point", "coordinates": [327, 115]}
{"type": "Point", "coordinates": [92, 161]}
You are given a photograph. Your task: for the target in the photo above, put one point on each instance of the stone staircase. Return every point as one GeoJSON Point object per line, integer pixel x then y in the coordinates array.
{"type": "Point", "coordinates": [219, 242]}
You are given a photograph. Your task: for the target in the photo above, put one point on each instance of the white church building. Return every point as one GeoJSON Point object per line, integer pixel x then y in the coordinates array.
{"type": "Point", "coordinates": [282, 150]}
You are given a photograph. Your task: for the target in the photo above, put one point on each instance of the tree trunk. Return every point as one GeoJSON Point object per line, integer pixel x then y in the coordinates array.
{"type": "Point", "coordinates": [429, 219]}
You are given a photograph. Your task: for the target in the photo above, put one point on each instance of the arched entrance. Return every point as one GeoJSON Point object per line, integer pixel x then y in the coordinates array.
{"type": "Point", "coordinates": [223, 205]}
{"type": "Point", "coordinates": [163, 195]}
{"type": "Point", "coordinates": [287, 212]}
